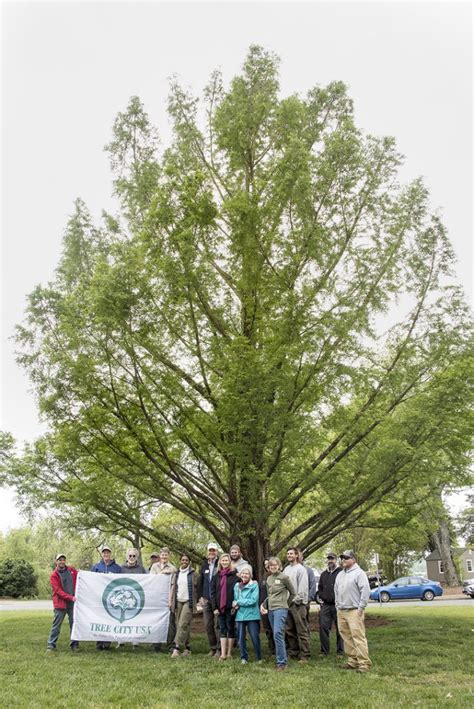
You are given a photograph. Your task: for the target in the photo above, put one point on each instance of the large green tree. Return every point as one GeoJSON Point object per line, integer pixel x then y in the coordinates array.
{"type": "Point", "coordinates": [266, 339]}
{"type": "Point", "coordinates": [465, 521]}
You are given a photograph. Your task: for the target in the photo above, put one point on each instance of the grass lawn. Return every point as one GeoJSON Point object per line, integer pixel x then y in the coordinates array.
{"type": "Point", "coordinates": [423, 658]}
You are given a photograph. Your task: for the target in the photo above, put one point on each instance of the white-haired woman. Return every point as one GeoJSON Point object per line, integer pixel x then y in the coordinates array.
{"type": "Point", "coordinates": [246, 597]}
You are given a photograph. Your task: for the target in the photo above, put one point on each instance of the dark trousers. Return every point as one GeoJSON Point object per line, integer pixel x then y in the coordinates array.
{"type": "Point", "coordinates": [269, 633]}
{"type": "Point", "coordinates": [254, 632]}
{"type": "Point", "coordinates": [171, 630]}
{"type": "Point", "coordinates": [297, 632]}
{"type": "Point", "coordinates": [210, 623]}
{"type": "Point", "coordinates": [59, 615]}
{"type": "Point", "coordinates": [328, 615]}
{"type": "Point", "coordinates": [227, 624]}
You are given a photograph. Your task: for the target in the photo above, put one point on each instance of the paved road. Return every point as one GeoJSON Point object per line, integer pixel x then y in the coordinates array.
{"type": "Point", "coordinates": [48, 606]}
{"type": "Point", "coordinates": [437, 602]}
{"type": "Point", "coordinates": [26, 605]}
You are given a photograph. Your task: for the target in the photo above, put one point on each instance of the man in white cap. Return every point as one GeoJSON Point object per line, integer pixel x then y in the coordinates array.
{"type": "Point", "coordinates": [63, 583]}
{"type": "Point", "coordinates": [352, 591]}
{"type": "Point", "coordinates": [207, 573]}
{"type": "Point", "coordinates": [106, 565]}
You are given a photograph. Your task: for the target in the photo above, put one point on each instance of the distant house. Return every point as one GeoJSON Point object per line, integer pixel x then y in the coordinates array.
{"type": "Point", "coordinates": [464, 558]}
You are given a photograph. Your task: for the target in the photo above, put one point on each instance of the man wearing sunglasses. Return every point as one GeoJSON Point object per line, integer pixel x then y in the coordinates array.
{"type": "Point", "coordinates": [132, 566]}
{"type": "Point", "coordinates": [352, 591]}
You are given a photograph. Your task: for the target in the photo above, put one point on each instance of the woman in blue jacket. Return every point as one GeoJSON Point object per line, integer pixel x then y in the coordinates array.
{"type": "Point", "coordinates": [246, 598]}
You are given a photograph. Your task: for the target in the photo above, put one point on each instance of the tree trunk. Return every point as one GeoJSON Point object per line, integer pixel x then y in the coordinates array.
{"type": "Point", "coordinates": [442, 544]}
{"type": "Point", "coordinates": [255, 549]}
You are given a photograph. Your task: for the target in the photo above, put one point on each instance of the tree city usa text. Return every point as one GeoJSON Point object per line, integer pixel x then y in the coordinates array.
{"type": "Point", "coordinates": [122, 629]}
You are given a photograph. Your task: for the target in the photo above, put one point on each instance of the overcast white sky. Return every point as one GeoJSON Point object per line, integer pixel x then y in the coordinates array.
{"type": "Point", "coordinates": [68, 68]}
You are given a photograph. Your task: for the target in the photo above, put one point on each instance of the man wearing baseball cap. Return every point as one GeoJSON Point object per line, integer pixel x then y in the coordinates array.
{"type": "Point", "coordinates": [352, 592]}
{"type": "Point", "coordinates": [63, 583]}
{"type": "Point", "coordinates": [207, 573]}
{"type": "Point", "coordinates": [327, 613]}
{"type": "Point", "coordinates": [154, 559]}
{"type": "Point", "coordinates": [106, 565]}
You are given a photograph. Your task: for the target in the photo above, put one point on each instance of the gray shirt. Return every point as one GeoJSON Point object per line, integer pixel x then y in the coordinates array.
{"type": "Point", "coordinates": [135, 569]}
{"type": "Point", "coordinates": [352, 589]}
{"type": "Point", "coordinates": [299, 579]}
{"type": "Point", "coordinates": [238, 565]}
{"type": "Point", "coordinates": [67, 583]}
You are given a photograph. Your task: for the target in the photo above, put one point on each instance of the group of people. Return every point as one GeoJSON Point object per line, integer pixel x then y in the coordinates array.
{"type": "Point", "coordinates": [232, 603]}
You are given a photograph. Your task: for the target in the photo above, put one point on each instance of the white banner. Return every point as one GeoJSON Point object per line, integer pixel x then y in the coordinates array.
{"type": "Point", "coordinates": [121, 607]}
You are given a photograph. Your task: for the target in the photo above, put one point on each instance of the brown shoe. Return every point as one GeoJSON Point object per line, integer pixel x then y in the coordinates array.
{"type": "Point", "coordinates": [363, 669]}
{"type": "Point", "coordinates": [348, 667]}
{"type": "Point", "coordinates": [211, 653]}
{"type": "Point", "coordinates": [280, 668]}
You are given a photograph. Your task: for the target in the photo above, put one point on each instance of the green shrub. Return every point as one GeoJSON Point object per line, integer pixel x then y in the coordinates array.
{"type": "Point", "coordinates": [17, 578]}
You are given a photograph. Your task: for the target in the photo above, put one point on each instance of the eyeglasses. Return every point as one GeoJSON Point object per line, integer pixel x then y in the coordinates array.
{"type": "Point", "coordinates": [345, 557]}
{"type": "Point", "coordinates": [132, 556]}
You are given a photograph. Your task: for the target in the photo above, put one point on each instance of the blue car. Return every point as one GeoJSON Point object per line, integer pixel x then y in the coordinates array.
{"type": "Point", "coordinates": [408, 587]}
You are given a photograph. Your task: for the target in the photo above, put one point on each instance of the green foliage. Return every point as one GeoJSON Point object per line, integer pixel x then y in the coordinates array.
{"type": "Point", "coordinates": [267, 341]}
{"type": "Point", "coordinates": [17, 579]}
{"type": "Point", "coordinates": [465, 522]}
{"type": "Point", "coordinates": [39, 542]}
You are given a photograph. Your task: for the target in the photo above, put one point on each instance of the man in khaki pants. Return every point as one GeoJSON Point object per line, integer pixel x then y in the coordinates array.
{"type": "Point", "coordinates": [352, 593]}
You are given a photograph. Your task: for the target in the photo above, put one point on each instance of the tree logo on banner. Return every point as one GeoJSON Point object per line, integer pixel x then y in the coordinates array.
{"type": "Point", "coordinates": [123, 599]}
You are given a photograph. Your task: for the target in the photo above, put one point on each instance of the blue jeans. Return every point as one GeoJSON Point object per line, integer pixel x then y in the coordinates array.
{"type": "Point", "coordinates": [277, 619]}
{"type": "Point", "coordinates": [59, 615]}
{"type": "Point", "coordinates": [254, 631]}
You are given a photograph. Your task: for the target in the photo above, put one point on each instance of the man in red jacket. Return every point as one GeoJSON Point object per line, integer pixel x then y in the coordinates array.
{"type": "Point", "coordinates": [63, 583]}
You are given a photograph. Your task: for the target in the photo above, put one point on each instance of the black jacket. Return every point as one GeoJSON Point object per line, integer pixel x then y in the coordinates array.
{"type": "Point", "coordinates": [203, 590]}
{"type": "Point", "coordinates": [326, 586]}
{"type": "Point", "coordinates": [192, 590]}
{"type": "Point", "coordinates": [232, 579]}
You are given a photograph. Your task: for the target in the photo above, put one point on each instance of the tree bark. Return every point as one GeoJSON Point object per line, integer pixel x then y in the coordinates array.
{"type": "Point", "coordinates": [255, 549]}
{"type": "Point", "coordinates": [442, 543]}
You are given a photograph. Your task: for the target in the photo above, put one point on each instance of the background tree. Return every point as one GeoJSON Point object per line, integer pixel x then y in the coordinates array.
{"type": "Point", "coordinates": [267, 340]}
{"type": "Point", "coordinates": [465, 522]}
{"type": "Point", "coordinates": [441, 535]}
{"type": "Point", "coordinates": [399, 547]}
{"type": "Point", "coordinates": [39, 541]}
{"type": "Point", "coordinates": [17, 579]}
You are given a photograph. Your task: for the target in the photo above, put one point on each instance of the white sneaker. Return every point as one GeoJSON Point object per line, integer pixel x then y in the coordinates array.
{"type": "Point", "coordinates": [243, 662]}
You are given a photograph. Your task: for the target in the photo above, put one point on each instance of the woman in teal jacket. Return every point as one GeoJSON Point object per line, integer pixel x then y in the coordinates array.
{"type": "Point", "coordinates": [246, 597]}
